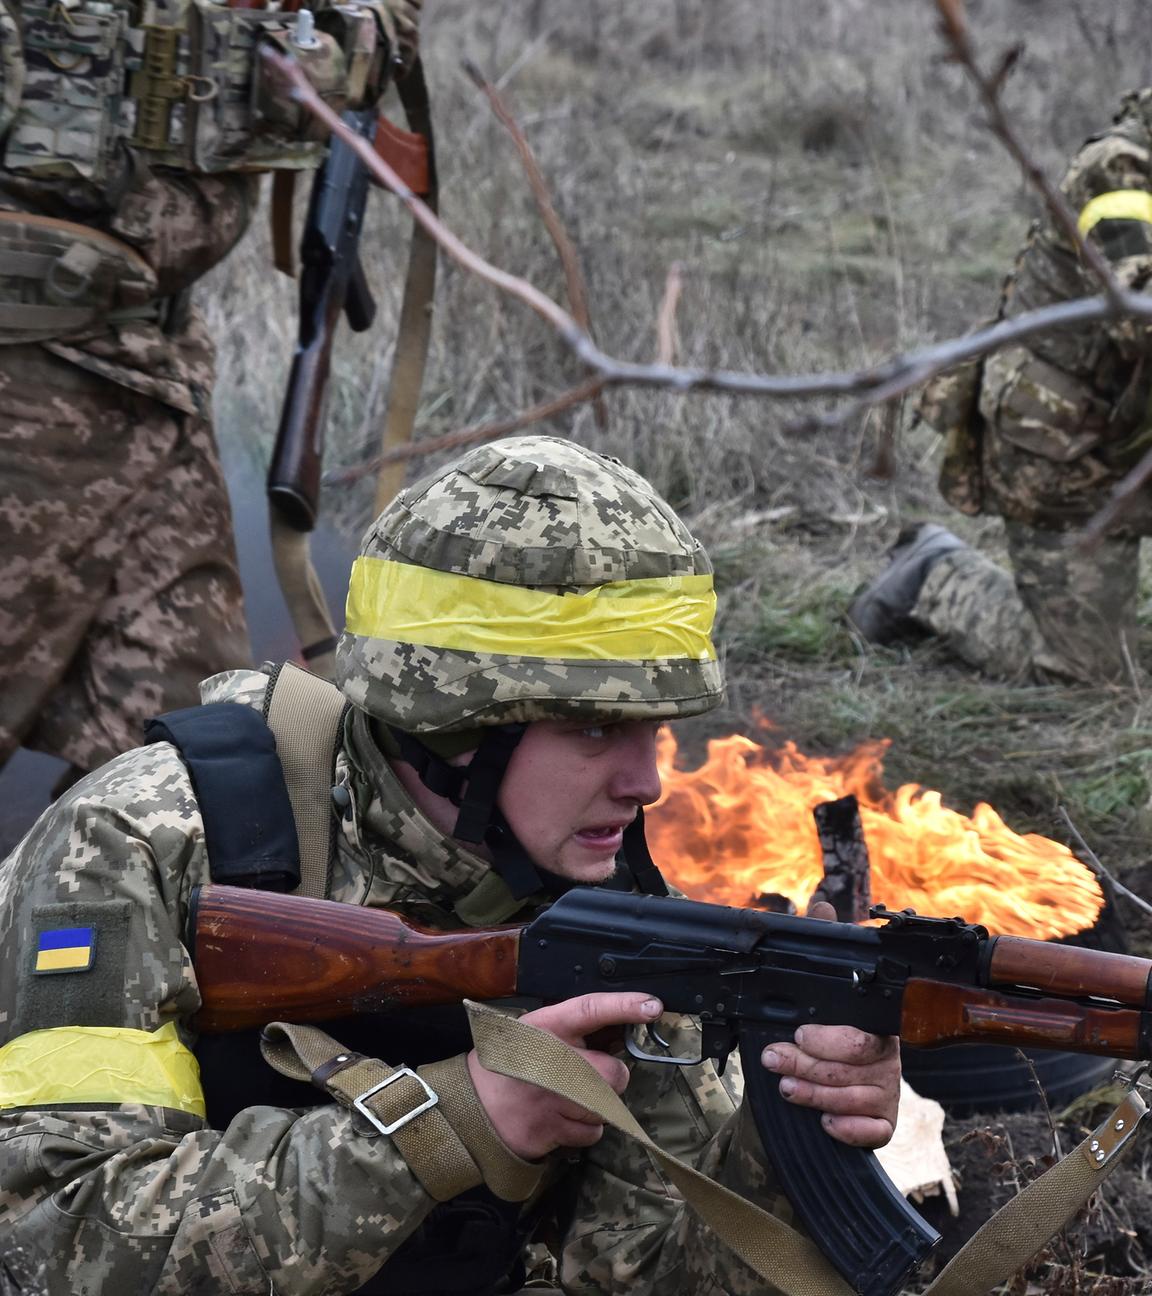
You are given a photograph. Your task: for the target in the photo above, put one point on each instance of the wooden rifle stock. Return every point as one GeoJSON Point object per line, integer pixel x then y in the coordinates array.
{"type": "Point", "coordinates": [261, 956]}
{"type": "Point", "coordinates": [1025, 1013]}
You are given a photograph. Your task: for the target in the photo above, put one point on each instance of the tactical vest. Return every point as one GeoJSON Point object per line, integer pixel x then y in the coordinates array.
{"type": "Point", "coordinates": [176, 81]}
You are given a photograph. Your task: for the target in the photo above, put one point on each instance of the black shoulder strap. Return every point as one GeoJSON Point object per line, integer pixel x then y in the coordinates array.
{"type": "Point", "coordinates": [249, 829]}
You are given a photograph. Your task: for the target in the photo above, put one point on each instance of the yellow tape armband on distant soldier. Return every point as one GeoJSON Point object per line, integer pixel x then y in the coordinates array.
{"type": "Point", "coordinates": [70, 1065]}
{"type": "Point", "coordinates": [1119, 204]}
{"type": "Point", "coordinates": [656, 619]}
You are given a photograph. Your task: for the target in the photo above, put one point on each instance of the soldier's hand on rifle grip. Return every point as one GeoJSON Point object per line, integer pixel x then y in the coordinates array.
{"type": "Point", "coordinates": [533, 1122]}
{"type": "Point", "coordinates": [849, 1075]}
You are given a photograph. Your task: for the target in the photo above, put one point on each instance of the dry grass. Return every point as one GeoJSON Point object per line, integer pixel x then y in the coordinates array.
{"type": "Point", "coordinates": [827, 182]}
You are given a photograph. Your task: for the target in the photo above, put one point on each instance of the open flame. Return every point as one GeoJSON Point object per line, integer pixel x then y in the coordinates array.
{"type": "Point", "coordinates": [741, 825]}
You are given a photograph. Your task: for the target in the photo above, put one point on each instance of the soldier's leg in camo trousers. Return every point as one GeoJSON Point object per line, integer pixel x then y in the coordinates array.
{"type": "Point", "coordinates": [119, 589]}
{"type": "Point", "coordinates": [1083, 604]}
{"type": "Point", "coordinates": [972, 604]}
{"type": "Point", "coordinates": [1063, 614]}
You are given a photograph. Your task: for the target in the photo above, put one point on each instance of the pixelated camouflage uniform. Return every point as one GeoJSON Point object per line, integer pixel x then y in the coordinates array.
{"type": "Point", "coordinates": [119, 588]}
{"type": "Point", "coordinates": [1041, 432]}
{"type": "Point", "coordinates": [133, 1197]}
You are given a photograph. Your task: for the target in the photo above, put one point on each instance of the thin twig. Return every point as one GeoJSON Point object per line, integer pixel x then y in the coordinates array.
{"type": "Point", "coordinates": [1093, 862]}
{"type": "Point", "coordinates": [585, 391]}
{"type": "Point", "coordinates": [666, 316]}
{"type": "Point", "coordinates": [1042, 1095]}
{"type": "Point", "coordinates": [890, 378]}
{"type": "Point", "coordinates": [955, 32]}
{"type": "Point", "coordinates": [565, 248]}
{"type": "Point", "coordinates": [1124, 497]}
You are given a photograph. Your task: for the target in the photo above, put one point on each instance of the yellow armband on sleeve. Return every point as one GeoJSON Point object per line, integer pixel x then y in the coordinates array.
{"type": "Point", "coordinates": [70, 1065]}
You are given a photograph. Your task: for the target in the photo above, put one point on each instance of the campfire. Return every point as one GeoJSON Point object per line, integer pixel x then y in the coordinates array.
{"type": "Point", "coordinates": [741, 827]}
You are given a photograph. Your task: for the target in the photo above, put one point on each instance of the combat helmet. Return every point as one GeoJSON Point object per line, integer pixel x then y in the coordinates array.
{"type": "Point", "coordinates": [530, 579]}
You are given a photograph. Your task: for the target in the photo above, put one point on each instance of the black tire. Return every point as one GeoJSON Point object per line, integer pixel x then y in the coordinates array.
{"type": "Point", "coordinates": [969, 1078]}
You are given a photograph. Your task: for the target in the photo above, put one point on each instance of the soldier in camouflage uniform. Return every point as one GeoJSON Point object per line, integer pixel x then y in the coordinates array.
{"type": "Point", "coordinates": [128, 152]}
{"type": "Point", "coordinates": [519, 623]}
{"type": "Point", "coordinates": [1040, 433]}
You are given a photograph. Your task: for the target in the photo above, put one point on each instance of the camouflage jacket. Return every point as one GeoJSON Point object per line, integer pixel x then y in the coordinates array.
{"type": "Point", "coordinates": [141, 1196]}
{"type": "Point", "coordinates": [1041, 431]}
{"type": "Point", "coordinates": [1108, 186]}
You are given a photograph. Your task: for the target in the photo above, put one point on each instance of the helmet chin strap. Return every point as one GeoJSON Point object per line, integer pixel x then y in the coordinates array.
{"type": "Point", "coordinates": [637, 858]}
{"type": "Point", "coordinates": [475, 788]}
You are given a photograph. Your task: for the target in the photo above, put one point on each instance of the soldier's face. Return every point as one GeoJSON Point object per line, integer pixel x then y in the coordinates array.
{"type": "Point", "coordinates": [572, 788]}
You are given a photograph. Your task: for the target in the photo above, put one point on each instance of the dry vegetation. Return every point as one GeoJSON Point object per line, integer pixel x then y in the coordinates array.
{"type": "Point", "coordinates": [827, 182]}
{"type": "Point", "coordinates": [829, 187]}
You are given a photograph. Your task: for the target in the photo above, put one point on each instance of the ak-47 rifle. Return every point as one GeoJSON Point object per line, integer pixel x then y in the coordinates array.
{"type": "Point", "coordinates": [750, 977]}
{"type": "Point", "coordinates": [332, 283]}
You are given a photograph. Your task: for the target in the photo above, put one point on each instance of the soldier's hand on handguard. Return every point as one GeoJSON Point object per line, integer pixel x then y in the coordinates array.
{"type": "Point", "coordinates": [533, 1122]}
{"type": "Point", "coordinates": [849, 1075]}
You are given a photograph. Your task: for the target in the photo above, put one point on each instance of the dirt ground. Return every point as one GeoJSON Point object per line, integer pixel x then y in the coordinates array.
{"type": "Point", "coordinates": [1104, 1251]}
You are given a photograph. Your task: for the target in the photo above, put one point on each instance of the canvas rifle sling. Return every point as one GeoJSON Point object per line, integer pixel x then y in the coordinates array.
{"type": "Point", "coordinates": [777, 1252]}
{"type": "Point", "coordinates": [306, 715]}
{"type": "Point", "coordinates": [411, 355]}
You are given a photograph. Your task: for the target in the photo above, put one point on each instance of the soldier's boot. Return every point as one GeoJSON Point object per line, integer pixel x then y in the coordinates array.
{"type": "Point", "coordinates": [881, 610]}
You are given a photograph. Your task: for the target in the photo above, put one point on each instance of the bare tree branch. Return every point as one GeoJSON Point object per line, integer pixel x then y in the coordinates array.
{"type": "Point", "coordinates": [890, 378]}
{"type": "Point", "coordinates": [565, 248]}
{"type": "Point", "coordinates": [955, 32]}
{"type": "Point", "coordinates": [1093, 862]}
{"type": "Point", "coordinates": [1124, 496]}
{"type": "Point", "coordinates": [666, 316]}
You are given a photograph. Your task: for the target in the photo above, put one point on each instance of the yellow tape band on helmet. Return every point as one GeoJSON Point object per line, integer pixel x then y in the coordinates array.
{"type": "Point", "coordinates": [100, 1064]}
{"type": "Point", "coordinates": [1120, 204]}
{"type": "Point", "coordinates": [660, 619]}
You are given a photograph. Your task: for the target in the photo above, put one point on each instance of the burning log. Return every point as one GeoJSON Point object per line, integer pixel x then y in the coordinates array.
{"type": "Point", "coordinates": [847, 883]}
{"type": "Point", "coordinates": [741, 825]}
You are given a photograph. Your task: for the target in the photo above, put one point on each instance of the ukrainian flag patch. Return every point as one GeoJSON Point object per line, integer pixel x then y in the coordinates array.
{"type": "Point", "coordinates": [66, 949]}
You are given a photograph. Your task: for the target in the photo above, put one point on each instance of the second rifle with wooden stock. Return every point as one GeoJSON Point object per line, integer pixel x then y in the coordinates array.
{"type": "Point", "coordinates": [750, 977]}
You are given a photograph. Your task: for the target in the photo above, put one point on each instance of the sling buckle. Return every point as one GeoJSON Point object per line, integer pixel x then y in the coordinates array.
{"type": "Point", "coordinates": [361, 1103]}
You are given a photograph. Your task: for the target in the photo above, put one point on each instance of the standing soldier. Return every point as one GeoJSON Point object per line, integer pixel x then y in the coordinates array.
{"type": "Point", "coordinates": [1040, 433]}
{"type": "Point", "coordinates": [131, 135]}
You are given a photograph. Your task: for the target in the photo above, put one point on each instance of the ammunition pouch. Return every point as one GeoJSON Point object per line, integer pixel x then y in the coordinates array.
{"type": "Point", "coordinates": [1041, 408]}
{"type": "Point", "coordinates": [322, 61]}
{"type": "Point", "coordinates": [197, 97]}
{"type": "Point", "coordinates": [59, 279]}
